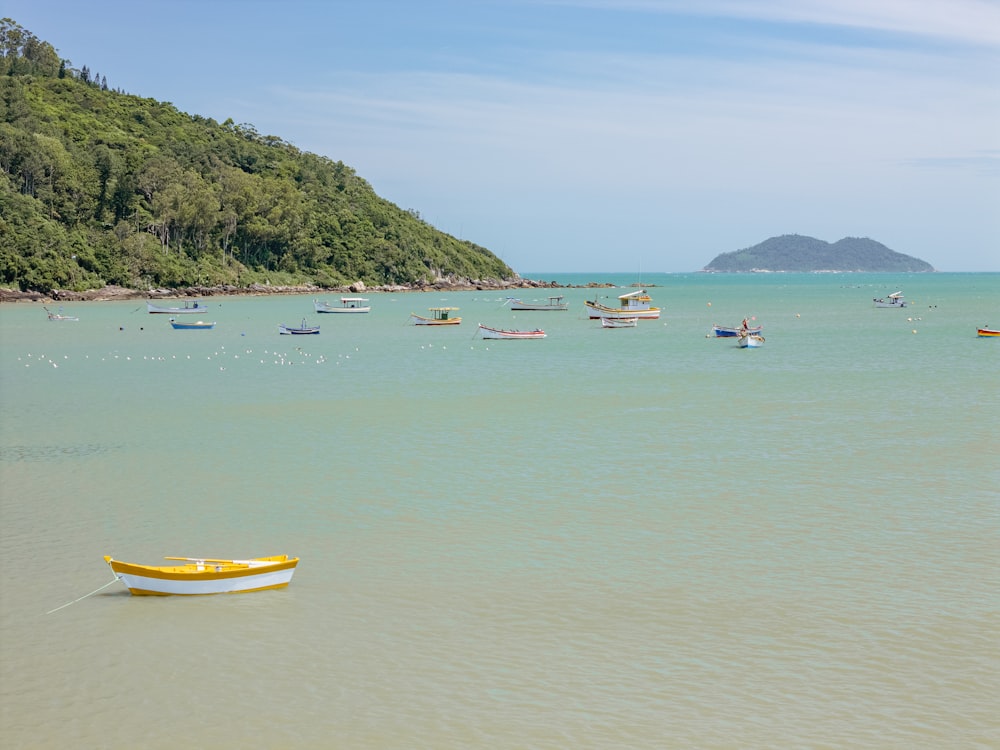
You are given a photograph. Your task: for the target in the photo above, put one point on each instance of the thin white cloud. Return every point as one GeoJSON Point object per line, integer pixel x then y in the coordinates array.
{"type": "Point", "coordinates": [973, 21]}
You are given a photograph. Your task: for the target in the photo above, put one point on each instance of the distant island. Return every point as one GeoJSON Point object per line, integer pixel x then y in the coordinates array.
{"type": "Point", "coordinates": [801, 254]}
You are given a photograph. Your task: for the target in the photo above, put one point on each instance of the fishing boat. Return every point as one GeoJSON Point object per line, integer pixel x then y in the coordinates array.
{"type": "Point", "coordinates": [987, 332]}
{"type": "Point", "coordinates": [893, 300]}
{"type": "Point", "coordinates": [59, 316]}
{"type": "Point", "coordinates": [196, 326]}
{"type": "Point", "coordinates": [750, 340]}
{"type": "Point", "coordinates": [440, 316]}
{"type": "Point", "coordinates": [554, 303]}
{"type": "Point", "coordinates": [188, 308]}
{"type": "Point", "coordinates": [347, 305]}
{"type": "Point", "coordinates": [619, 322]}
{"type": "Point", "coordinates": [204, 575]}
{"type": "Point", "coordinates": [633, 304]}
{"type": "Point", "coordinates": [723, 332]}
{"type": "Point", "coordinates": [304, 330]}
{"type": "Point", "coordinates": [501, 333]}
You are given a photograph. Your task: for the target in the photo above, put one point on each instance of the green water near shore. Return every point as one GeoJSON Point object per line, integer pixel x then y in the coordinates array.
{"type": "Point", "coordinates": [606, 538]}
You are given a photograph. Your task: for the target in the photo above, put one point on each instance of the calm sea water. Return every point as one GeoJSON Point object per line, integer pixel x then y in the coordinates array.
{"type": "Point", "coordinates": [638, 538]}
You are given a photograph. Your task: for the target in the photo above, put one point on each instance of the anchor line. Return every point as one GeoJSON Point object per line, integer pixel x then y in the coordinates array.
{"type": "Point", "coordinates": [113, 580]}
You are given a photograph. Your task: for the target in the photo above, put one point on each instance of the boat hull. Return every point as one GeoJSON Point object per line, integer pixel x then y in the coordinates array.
{"type": "Point", "coordinates": [516, 304]}
{"type": "Point", "coordinates": [198, 578]}
{"type": "Point", "coordinates": [750, 342]}
{"type": "Point", "coordinates": [347, 305]}
{"type": "Point", "coordinates": [987, 333]}
{"type": "Point", "coordinates": [418, 320]}
{"type": "Point", "coordinates": [725, 332]}
{"type": "Point", "coordinates": [186, 310]}
{"type": "Point", "coordinates": [629, 322]}
{"type": "Point", "coordinates": [498, 333]}
{"type": "Point", "coordinates": [597, 310]}
{"type": "Point", "coordinates": [289, 331]}
{"type": "Point", "coordinates": [199, 326]}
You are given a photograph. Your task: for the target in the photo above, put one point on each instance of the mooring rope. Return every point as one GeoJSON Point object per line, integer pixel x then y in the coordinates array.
{"type": "Point", "coordinates": [113, 580]}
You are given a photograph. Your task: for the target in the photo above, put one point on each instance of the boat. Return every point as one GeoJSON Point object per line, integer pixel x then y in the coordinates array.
{"type": "Point", "coordinates": [440, 316]}
{"type": "Point", "coordinates": [750, 340]}
{"type": "Point", "coordinates": [554, 303]}
{"type": "Point", "coordinates": [304, 330]}
{"type": "Point", "coordinates": [204, 575]}
{"type": "Point", "coordinates": [987, 332]}
{"type": "Point", "coordinates": [619, 322]}
{"type": "Point", "coordinates": [347, 305]}
{"type": "Point", "coordinates": [893, 300]}
{"type": "Point", "coordinates": [59, 316]}
{"type": "Point", "coordinates": [724, 332]}
{"type": "Point", "coordinates": [501, 333]}
{"type": "Point", "coordinates": [197, 326]}
{"type": "Point", "coordinates": [633, 304]}
{"type": "Point", "coordinates": [189, 307]}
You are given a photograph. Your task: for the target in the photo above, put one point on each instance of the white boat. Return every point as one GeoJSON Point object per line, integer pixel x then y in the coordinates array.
{"type": "Point", "coordinates": [893, 300]}
{"type": "Point", "coordinates": [189, 307]}
{"type": "Point", "coordinates": [440, 316]}
{"type": "Point", "coordinates": [554, 303]}
{"type": "Point", "coordinates": [204, 575]}
{"type": "Point", "coordinates": [619, 322]}
{"type": "Point", "coordinates": [304, 330]}
{"type": "Point", "coordinates": [347, 305]}
{"type": "Point", "coordinates": [750, 340]}
{"type": "Point", "coordinates": [501, 333]}
{"type": "Point", "coordinates": [196, 326]}
{"type": "Point", "coordinates": [636, 304]}
{"type": "Point", "coordinates": [59, 316]}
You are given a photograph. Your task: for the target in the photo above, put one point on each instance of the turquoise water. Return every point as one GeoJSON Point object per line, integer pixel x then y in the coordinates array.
{"type": "Point", "coordinates": [636, 538]}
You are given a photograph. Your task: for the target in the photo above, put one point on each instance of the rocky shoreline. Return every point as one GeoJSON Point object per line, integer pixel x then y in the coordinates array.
{"type": "Point", "coordinates": [109, 293]}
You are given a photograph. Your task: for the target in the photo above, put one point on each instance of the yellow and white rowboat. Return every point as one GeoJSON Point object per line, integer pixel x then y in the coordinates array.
{"type": "Point", "coordinates": [204, 575]}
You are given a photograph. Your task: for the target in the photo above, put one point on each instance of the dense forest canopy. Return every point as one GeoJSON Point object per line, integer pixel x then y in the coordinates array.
{"type": "Point", "coordinates": [795, 252]}
{"type": "Point", "coordinates": [102, 187]}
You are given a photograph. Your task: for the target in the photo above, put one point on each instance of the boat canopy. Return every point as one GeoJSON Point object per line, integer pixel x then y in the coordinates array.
{"type": "Point", "coordinates": [639, 295]}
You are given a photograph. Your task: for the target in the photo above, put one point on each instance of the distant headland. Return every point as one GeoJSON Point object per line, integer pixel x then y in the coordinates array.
{"type": "Point", "coordinates": [800, 254]}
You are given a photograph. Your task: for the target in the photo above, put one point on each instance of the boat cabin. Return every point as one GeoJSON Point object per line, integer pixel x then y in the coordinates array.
{"type": "Point", "coordinates": [637, 300]}
{"type": "Point", "coordinates": [441, 313]}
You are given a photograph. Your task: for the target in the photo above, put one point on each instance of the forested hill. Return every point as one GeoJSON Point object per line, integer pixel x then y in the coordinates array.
{"type": "Point", "coordinates": [794, 252]}
{"type": "Point", "coordinates": [99, 187]}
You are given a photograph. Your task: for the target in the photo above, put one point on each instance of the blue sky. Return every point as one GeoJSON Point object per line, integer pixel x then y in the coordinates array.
{"type": "Point", "coordinates": [600, 135]}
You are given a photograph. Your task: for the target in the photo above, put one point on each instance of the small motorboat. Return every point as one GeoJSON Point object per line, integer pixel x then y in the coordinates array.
{"type": "Point", "coordinates": [59, 316]}
{"type": "Point", "coordinates": [723, 332]}
{"type": "Point", "coordinates": [633, 305]}
{"type": "Point", "coordinates": [195, 326]}
{"type": "Point", "coordinates": [440, 316]}
{"type": "Point", "coordinates": [347, 305]}
{"type": "Point", "coordinates": [628, 322]}
{"type": "Point", "coordinates": [750, 340]}
{"type": "Point", "coordinates": [188, 309]}
{"type": "Point", "coordinates": [304, 330]}
{"type": "Point", "coordinates": [205, 575]}
{"type": "Point", "coordinates": [893, 300]}
{"type": "Point", "coordinates": [554, 303]}
{"type": "Point", "coordinates": [501, 333]}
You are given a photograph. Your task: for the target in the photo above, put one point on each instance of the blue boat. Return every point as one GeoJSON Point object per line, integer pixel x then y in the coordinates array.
{"type": "Point", "coordinates": [724, 332]}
